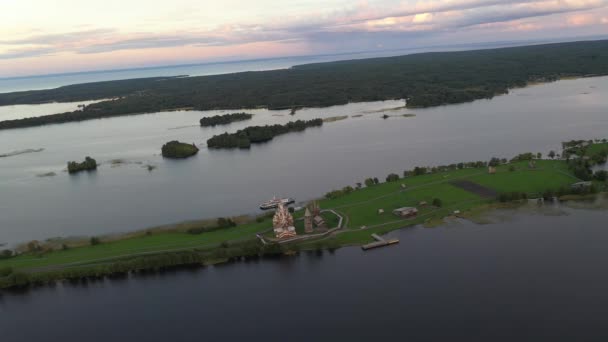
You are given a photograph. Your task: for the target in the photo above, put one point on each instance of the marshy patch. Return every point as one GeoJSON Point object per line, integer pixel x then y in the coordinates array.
{"type": "Point", "coordinates": [182, 127]}
{"type": "Point", "coordinates": [121, 162]}
{"type": "Point", "coordinates": [383, 110]}
{"type": "Point", "coordinates": [18, 152]}
{"type": "Point", "coordinates": [335, 118]}
{"type": "Point", "coordinates": [46, 174]}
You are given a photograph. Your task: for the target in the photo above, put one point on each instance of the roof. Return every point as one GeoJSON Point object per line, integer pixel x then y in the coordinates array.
{"type": "Point", "coordinates": [307, 212]}
{"type": "Point", "coordinates": [406, 209]}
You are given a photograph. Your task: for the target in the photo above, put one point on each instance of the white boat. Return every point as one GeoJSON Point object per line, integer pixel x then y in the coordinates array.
{"type": "Point", "coordinates": [274, 202]}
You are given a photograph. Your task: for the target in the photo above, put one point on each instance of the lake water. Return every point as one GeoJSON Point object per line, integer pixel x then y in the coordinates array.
{"type": "Point", "coordinates": [302, 165]}
{"type": "Point", "coordinates": [533, 278]}
{"type": "Point", "coordinates": [27, 111]}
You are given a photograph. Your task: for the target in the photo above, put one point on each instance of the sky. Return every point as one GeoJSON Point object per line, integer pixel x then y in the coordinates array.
{"type": "Point", "coordinates": [55, 36]}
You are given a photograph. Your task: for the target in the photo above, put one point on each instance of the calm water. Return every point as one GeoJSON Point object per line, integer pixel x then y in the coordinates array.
{"type": "Point", "coordinates": [304, 165]}
{"type": "Point", "coordinates": [28, 111]}
{"type": "Point", "coordinates": [535, 278]}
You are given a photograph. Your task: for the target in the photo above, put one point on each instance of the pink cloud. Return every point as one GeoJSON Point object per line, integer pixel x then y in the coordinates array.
{"type": "Point", "coordinates": [582, 20]}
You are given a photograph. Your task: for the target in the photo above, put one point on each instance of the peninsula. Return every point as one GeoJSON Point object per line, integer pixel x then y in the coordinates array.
{"type": "Point", "coordinates": [423, 80]}
{"type": "Point", "coordinates": [344, 217]}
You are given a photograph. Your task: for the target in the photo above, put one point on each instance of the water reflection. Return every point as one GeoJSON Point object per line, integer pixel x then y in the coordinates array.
{"type": "Point", "coordinates": [533, 277]}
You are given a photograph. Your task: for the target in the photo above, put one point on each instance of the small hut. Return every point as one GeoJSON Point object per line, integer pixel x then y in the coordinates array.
{"type": "Point", "coordinates": [406, 212]}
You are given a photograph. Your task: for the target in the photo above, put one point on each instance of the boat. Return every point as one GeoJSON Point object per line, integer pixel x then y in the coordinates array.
{"type": "Point", "coordinates": [274, 202]}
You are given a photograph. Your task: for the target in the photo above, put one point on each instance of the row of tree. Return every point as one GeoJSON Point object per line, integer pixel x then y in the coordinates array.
{"type": "Point", "coordinates": [224, 119]}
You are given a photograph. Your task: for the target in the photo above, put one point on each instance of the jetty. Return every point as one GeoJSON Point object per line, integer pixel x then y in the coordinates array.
{"type": "Point", "coordinates": [380, 242]}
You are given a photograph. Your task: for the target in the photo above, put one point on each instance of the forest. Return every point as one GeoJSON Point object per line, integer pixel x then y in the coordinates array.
{"type": "Point", "coordinates": [423, 80]}
{"type": "Point", "coordinates": [258, 134]}
{"type": "Point", "coordinates": [224, 119]}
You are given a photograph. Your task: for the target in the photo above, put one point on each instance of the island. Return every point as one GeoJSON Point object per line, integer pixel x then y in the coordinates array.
{"type": "Point", "coordinates": [178, 150]}
{"type": "Point", "coordinates": [88, 164]}
{"type": "Point", "coordinates": [224, 119]}
{"type": "Point", "coordinates": [355, 214]}
{"type": "Point", "coordinates": [258, 134]}
{"type": "Point", "coordinates": [421, 80]}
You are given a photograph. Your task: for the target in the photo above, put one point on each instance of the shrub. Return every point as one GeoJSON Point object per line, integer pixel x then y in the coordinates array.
{"type": "Point", "coordinates": [437, 202]}
{"type": "Point", "coordinates": [334, 194]}
{"type": "Point", "coordinates": [393, 177]}
{"type": "Point", "coordinates": [512, 196]}
{"type": "Point", "coordinates": [87, 165]}
{"type": "Point", "coordinates": [95, 241]}
{"type": "Point", "coordinates": [494, 162]}
{"type": "Point", "coordinates": [223, 222]}
{"type": "Point", "coordinates": [419, 171]}
{"type": "Point", "coordinates": [5, 254]}
{"type": "Point", "coordinates": [196, 230]}
{"type": "Point", "coordinates": [601, 175]}
{"type": "Point", "coordinates": [5, 271]}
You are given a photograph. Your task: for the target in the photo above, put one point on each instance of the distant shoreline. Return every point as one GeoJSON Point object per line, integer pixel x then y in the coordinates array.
{"type": "Point", "coordinates": [462, 77]}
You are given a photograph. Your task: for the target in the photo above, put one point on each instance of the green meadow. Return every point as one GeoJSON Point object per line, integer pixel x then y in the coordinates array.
{"type": "Point", "coordinates": [360, 210]}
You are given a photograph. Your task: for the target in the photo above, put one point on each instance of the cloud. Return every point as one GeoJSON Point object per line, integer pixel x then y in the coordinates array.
{"type": "Point", "coordinates": [422, 18]}
{"type": "Point", "coordinates": [27, 53]}
{"type": "Point", "coordinates": [363, 21]}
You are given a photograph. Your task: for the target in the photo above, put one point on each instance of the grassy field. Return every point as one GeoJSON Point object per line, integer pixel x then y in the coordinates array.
{"type": "Point", "coordinates": [359, 208]}
{"type": "Point", "coordinates": [596, 148]}
{"type": "Point", "coordinates": [138, 245]}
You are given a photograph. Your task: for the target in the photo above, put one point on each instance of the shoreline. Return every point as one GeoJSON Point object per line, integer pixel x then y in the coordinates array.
{"type": "Point", "coordinates": [332, 83]}
{"type": "Point", "coordinates": [362, 208]}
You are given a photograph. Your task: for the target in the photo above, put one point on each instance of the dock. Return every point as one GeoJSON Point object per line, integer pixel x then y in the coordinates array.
{"type": "Point", "coordinates": [380, 242]}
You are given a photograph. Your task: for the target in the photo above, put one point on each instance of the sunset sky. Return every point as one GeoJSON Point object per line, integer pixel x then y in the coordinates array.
{"type": "Point", "coordinates": [43, 36]}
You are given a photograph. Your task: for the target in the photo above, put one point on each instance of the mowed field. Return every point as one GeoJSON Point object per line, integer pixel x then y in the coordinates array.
{"type": "Point", "coordinates": [359, 209]}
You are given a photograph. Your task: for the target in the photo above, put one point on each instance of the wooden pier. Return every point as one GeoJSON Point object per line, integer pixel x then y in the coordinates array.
{"type": "Point", "coordinates": [380, 242]}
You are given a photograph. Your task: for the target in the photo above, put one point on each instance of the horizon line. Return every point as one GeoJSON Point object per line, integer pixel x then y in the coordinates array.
{"type": "Point", "coordinates": [513, 43]}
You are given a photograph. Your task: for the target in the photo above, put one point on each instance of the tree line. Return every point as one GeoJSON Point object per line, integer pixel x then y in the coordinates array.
{"type": "Point", "coordinates": [423, 80]}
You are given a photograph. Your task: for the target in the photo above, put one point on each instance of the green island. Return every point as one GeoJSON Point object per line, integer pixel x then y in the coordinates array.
{"type": "Point", "coordinates": [88, 164]}
{"type": "Point", "coordinates": [423, 80]}
{"type": "Point", "coordinates": [224, 119]}
{"type": "Point", "coordinates": [177, 150]}
{"type": "Point", "coordinates": [258, 134]}
{"type": "Point", "coordinates": [351, 214]}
